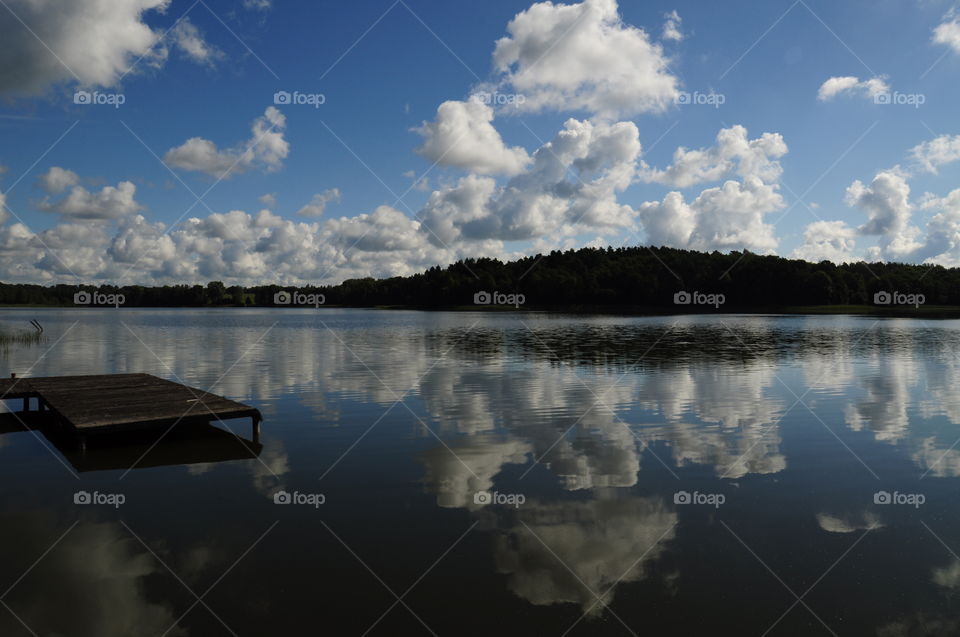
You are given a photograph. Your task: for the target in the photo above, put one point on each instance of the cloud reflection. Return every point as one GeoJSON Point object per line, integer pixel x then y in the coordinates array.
{"type": "Point", "coordinates": [92, 584]}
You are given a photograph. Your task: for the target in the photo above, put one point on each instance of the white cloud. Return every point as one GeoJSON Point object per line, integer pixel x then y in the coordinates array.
{"type": "Point", "coordinates": [887, 204]}
{"type": "Point", "coordinates": [57, 179]}
{"type": "Point", "coordinates": [583, 57]}
{"type": "Point", "coordinates": [462, 135]}
{"type": "Point", "coordinates": [108, 203]}
{"type": "Point", "coordinates": [257, 4]}
{"type": "Point", "coordinates": [670, 222]}
{"type": "Point", "coordinates": [73, 248]}
{"type": "Point", "coordinates": [729, 217]}
{"type": "Point", "coordinates": [930, 155]}
{"type": "Point", "coordinates": [318, 204]}
{"type": "Point", "coordinates": [827, 241]}
{"type": "Point", "coordinates": [852, 85]}
{"type": "Point", "coordinates": [422, 184]}
{"type": "Point", "coordinates": [948, 32]}
{"type": "Point", "coordinates": [187, 37]}
{"type": "Point", "coordinates": [733, 152]}
{"type": "Point", "coordinates": [571, 187]}
{"type": "Point", "coordinates": [671, 27]}
{"type": "Point", "coordinates": [92, 42]}
{"type": "Point", "coordinates": [265, 150]}
{"type": "Point", "coordinates": [268, 199]}
{"type": "Point", "coordinates": [943, 231]}
{"type": "Point", "coordinates": [234, 247]}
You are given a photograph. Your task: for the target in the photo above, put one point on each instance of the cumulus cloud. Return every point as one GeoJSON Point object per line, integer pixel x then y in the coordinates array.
{"type": "Point", "coordinates": [92, 42]}
{"type": "Point", "coordinates": [265, 150]}
{"type": "Point", "coordinates": [853, 86]}
{"type": "Point", "coordinates": [671, 27]}
{"type": "Point", "coordinates": [886, 201]}
{"type": "Point", "coordinates": [79, 203]}
{"type": "Point", "coordinates": [583, 57]}
{"type": "Point", "coordinates": [727, 217]}
{"type": "Point", "coordinates": [462, 135]}
{"type": "Point", "coordinates": [734, 153]}
{"type": "Point", "coordinates": [942, 240]}
{"type": "Point", "coordinates": [933, 154]}
{"type": "Point", "coordinates": [57, 179]}
{"type": "Point", "coordinates": [947, 32]}
{"type": "Point", "coordinates": [268, 199]}
{"type": "Point", "coordinates": [827, 241]}
{"type": "Point", "coordinates": [571, 186]}
{"type": "Point", "coordinates": [234, 246]}
{"type": "Point", "coordinates": [318, 204]}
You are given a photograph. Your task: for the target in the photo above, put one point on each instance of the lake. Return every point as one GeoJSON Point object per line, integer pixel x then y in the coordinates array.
{"type": "Point", "coordinates": [497, 473]}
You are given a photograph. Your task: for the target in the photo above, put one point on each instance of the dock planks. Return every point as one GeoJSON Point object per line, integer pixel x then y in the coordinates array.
{"type": "Point", "coordinates": [121, 402]}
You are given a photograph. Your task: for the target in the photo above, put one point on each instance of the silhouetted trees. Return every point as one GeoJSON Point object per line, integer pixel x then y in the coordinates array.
{"type": "Point", "coordinates": [590, 277]}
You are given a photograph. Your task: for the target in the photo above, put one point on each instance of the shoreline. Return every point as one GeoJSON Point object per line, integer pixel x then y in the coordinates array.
{"type": "Point", "coordinates": [924, 311]}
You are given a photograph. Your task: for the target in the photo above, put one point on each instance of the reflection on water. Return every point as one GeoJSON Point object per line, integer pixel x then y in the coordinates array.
{"type": "Point", "coordinates": [603, 543]}
{"type": "Point", "coordinates": [92, 584]}
{"type": "Point", "coordinates": [620, 435]}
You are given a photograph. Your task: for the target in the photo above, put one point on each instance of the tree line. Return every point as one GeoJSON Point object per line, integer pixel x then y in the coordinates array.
{"type": "Point", "coordinates": [589, 277]}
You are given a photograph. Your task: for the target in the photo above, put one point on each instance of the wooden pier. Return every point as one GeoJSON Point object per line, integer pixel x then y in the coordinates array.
{"type": "Point", "coordinates": [111, 403]}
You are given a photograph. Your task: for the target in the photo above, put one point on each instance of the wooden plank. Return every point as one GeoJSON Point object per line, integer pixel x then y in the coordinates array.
{"type": "Point", "coordinates": [15, 388]}
{"type": "Point", "coordinates": [109, 402]}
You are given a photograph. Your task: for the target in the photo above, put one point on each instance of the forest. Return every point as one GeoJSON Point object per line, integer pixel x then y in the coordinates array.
{"type": "Point", "coordinates": [634, 277]}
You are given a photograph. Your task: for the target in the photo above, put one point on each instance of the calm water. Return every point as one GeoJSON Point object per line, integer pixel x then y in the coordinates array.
{"type": "Point", "coordinates": [674, 476]}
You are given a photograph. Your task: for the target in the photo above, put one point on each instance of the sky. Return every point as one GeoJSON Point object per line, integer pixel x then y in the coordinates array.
{"type": "Point", "coordinates": [275, 141]}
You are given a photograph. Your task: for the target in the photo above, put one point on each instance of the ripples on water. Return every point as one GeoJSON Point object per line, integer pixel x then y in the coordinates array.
{"type": "Point", "coordinates": [593, 430]}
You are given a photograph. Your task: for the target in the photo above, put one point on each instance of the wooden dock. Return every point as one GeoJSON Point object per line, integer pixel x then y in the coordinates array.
{"type": "Point", "coordinates": [195, 443]}
{"type": "Point", "coordinates": [111, 403]}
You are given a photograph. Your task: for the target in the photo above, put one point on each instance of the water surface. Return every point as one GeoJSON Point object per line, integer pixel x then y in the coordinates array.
{"type": "Point", "coordinates": [667, 475]}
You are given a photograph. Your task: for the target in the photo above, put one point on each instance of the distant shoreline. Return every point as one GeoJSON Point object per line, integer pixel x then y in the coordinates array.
{"type": "Point", "coordinates": [924, 311]}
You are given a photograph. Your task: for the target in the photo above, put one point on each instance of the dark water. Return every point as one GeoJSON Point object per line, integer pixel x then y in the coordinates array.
{"type": "Point", "coordinates": [590, 432]}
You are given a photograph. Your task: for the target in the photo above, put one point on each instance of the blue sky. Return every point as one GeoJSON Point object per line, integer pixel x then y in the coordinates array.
{"type": "Point", "coordinates": [806, 168]}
